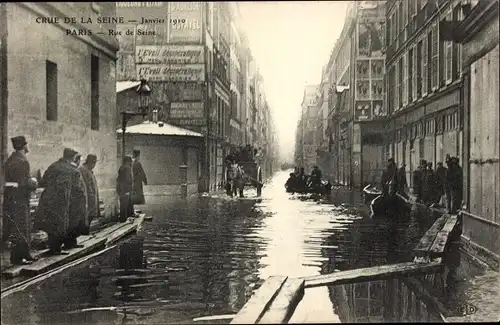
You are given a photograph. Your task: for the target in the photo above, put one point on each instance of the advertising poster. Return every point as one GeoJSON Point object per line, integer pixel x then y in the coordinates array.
{"type": "Point", "coordinates": [185, 20]}
{"type": "Point", "coordinates": [171, 72]}
{"type": "Point", "coordinates": [362, 110]}
{"type": "Point", "coordinates": [169, 54]}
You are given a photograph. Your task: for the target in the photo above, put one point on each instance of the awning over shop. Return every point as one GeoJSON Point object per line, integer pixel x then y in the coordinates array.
{"type": "Point", "coordinates": [159, 128]}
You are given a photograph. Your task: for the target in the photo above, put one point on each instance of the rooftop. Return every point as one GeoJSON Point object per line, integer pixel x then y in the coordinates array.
{"type": "Point", "coordinates": [159, 128]}
{"type": "Point", "coordinates": [124, 85]}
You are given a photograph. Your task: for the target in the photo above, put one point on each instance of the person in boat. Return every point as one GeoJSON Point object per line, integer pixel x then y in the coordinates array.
{"type": "Point", "coordinates": [440, 182]}
{"type": "Point", "coordinates": [389, 178]}
{"type": "Point", "coordinates": [291, 183]}
{"type": "Point", "coordinates": [316, 175]}
{"type": "Point", "coordinates": [402, 183]}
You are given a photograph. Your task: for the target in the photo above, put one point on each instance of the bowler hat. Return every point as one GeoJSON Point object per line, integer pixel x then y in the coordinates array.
{"type": "Point", "coordinates": [18, 142]}
{"type": "Point", "coordinates": [69, 153]}
{"type": "Point", "coordinates": [136, 152]}
{"type": "Point", "coordinates": [91, 158]}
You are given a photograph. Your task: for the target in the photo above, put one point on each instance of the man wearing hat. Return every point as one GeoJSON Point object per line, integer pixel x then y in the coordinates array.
{"type": "Point", "coordinates": [139, 178]}
{"type": "Point", "coordinates": [91, 187]}
{"type": "Point", "coordinates": [389, 178]}
{"type": "Point", "coordinates": [78, 222]}
{"type": "Point", "coordinates": [53, 215]}
{"type": "Point", "coordinates": [19, 186]}
{"type": "Point", "coordinates": [124, 186]}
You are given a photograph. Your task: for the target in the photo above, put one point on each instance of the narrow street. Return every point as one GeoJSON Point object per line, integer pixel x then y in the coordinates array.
{"type": "Point", "coordinates": [205, 256]}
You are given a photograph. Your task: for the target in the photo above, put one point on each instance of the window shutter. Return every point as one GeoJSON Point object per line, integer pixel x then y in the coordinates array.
{"type": "Point", "coordinates": [405, 78]}
{"type": "Point", "coordinates": [415, 74]}
{"type": "Point", "coordinates": [435, 58]}
{"type": "Point", "coordinates": [424, 66]}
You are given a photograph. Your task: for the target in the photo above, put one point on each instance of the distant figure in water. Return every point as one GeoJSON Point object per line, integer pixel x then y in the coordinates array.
{"type": "Point", "coordinates": [291, 183]}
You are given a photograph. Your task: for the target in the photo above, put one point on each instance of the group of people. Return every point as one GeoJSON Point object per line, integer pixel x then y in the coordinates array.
{"type": "Point", "coordinates": [300, 182]}
{"type": "Point", "coordinates": [68, 203]}
{"type": "Point", "coordinates": [243, 153]}
{"type": "Point", "coordinates": [429, 185]}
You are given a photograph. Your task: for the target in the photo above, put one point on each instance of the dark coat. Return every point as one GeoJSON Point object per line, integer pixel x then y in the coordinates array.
{"type": "Point", "coordinates": [389, 180]}
{"type": "Point", "coordinates": [124, 180]}
{"type": "Point", "coordinates": [92, 191]}
{"type": "Point", "coordinates": [139, 177]}
{"type": "Point", "coordinates": [440, 179]}
{"type": "Point", "coordinates": [54, 205]}
{"type": "Point", "coordinates": [78, 214]}
{"type": "Point", "coordinates": [16, 199]}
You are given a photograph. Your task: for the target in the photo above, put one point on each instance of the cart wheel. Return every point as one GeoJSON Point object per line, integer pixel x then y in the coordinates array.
{"type": "Point", "coordinates": [259, 178]}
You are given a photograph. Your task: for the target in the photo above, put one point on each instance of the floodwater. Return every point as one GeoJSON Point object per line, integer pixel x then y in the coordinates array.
{"type": "Point", "coordinates": [205, 256]}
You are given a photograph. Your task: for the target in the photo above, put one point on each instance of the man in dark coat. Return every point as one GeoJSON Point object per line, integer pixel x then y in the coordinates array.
{"type": "Point", "coordinates": [139, 177]}
{"type": "Point", "coordinates": [78, 222]}
{"type": "Point", "coordinates": [429, 184]}
{"type": "Point", "coordinates": [124, 186]}
{"type": "Point", "coordinates": [53, 213]}
{"type": "Point", "coordinates": [389, 178]}
{"type": "Point", "coordinates": [418, 180]}
{"type": "Point", "coordinates": [402, 184]}
{"type": "Point", "coordinates": [316, 176]}
{"type": "Point", "coordinates": [440, 181]}
{"type": "Point", "coordinates": [18, 188]}
{"type": "Point", "coordinates": [454, 185]}
{"type": "Point", "coordinates": [91, 186]}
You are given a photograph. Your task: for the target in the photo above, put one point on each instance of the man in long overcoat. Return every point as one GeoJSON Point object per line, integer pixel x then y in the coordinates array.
{"type": "Point", "coordinates": [389, 180]}
{"type": "Point", "coordinates": [139, 177]}
{"type": "Point", "coordinates": [78, 222]}
{"type": "Point", "coordinates": [54, 206]}
{"type": "Point", "coordinates": [91, 186]}
{"type": "Point", "coordinates": [19, 186]}
{"type": "Point", "coordinates": [440, 181]}
{"type": "Point", "coordinates": [124, 186]}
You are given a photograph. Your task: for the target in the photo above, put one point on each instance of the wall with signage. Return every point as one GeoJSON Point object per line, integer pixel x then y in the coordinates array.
{"type": "Point", "coordinates": [369, 89]}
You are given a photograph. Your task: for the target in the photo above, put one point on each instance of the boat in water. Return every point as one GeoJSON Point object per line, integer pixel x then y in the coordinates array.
{"type": "Point", "coordinates": [385, 205]}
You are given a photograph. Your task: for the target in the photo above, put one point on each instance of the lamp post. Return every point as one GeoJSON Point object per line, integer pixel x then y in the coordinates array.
{"type": "Point", "coordinates": [143, 90]}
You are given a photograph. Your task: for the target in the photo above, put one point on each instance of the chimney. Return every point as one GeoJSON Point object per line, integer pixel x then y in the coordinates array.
{"type": "Point", "coordinates": [155, 116]}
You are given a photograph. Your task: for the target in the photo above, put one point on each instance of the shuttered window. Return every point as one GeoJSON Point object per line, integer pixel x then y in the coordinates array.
{"type": "Point", "coordinates": [396, 86]}
{"type": "Point", "coordinates": [424, 67]}
{"type": "Point", "coordinates": [401, 82]}
{"type": "Point", "coordinates": [435, 58]}
{"type": "Point", "coordinates": [414, 74]}
{"type": "Point", "coordinates": [405, 79]}
{"type": "Point", "coordinates": [418, 70]}
{"type": "Point", "coordinates": [448, 55]}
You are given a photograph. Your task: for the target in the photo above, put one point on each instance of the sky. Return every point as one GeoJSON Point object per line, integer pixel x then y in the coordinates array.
{"type": "Point", "coordinates": [291, 43]}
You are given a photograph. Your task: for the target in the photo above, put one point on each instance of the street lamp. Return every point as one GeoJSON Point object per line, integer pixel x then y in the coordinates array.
{"type": "Point", "coordinates": [143, 90]}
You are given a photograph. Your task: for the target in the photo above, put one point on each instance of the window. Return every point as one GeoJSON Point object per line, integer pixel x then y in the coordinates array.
{"type": "Point", "coordinates": [411, 76]}
{"type": "Point", "coordinates": [457, 48]}
{"type": "Point", "coordinates": [51, 90]}
{"type": "Point", "coordinates": [405, 79]}
{"type": "Point", "coordinates": [94, 92]}
{"type": "Point", "coordinates": [414, 74]}
{"type": "Point", "coordinates": [435, 58]}
{"type": "Point", "coordinates": [418, 70]}
{"type": "Point", "coordinates": [401, 81]}
{"type": "Point", "coordinates": [396, 87]}
{"type": "Point", "coordinates": [425, 60]}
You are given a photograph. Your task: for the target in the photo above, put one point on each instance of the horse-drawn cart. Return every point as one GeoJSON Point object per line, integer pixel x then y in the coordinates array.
{"type": "Point", "coordinates": [253, 174]}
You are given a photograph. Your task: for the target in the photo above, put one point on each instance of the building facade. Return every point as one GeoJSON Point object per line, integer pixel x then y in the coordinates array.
{"type": "Point", "coordinates": [424, 83]}
{"type": "Point", "coordinates": [68, 99]}
{"type": "Point", "coordinates": [194, 56]}
{"type": "Point", "coordinates": [477, 33]}
{"type": "Point", "coordinates": [306, 147]}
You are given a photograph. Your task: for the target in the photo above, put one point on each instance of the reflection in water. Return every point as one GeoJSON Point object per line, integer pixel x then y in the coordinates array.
{"type": "Point", "coordinates": [206, 256]}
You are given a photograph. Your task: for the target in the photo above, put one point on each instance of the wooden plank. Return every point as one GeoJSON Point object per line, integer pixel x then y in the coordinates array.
{"type": "Point", "coordinates": [260, 301]}
{"type": "Point", "coordinates": [372, 273]}
{"type": "Point", "coordinates": [125, 230]}
{"type": "Point", "coordinates": [50, 262]}
{"type": "Point", "coordinates": [426, 242]}
{"type": "Point", "coordinates": [283, 306]}
{"type": "Point", "coordinates": [442, 237]}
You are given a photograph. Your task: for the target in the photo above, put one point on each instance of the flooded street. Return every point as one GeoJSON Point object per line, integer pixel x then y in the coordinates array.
{"type": "Point", "coordinates": [206, 255]}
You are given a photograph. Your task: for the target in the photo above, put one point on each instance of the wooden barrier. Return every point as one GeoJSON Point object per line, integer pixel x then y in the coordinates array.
{"type": "Point", "coordinates": [434, 241]}
{"type": "Point", "coordinates": [260, 301]}
{"type": "Point", "coordinates": [372, 273]}
{"type": "Point", "coordinates": [283, 306]}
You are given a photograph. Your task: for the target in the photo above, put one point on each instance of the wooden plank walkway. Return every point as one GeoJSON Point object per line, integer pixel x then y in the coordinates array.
{"type": "Point", "coordinates": [283, 306]}
{"type": "Point", "coordinates": [100, 240]}
{"type": "Point", "coordinates": [260, 301]}
{"type": "Point", "coordinates": [434, 241]}
{"type": "Point", "coordinates": [372, 273]}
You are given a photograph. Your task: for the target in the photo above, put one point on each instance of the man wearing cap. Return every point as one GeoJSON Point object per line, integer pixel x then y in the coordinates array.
{"type": "Point", "coordinates": [139, 177]}
{"type": "Point", "coordinates": [124, 186]}
{"type": "Point", "coordinates": [389, 178]}
{"type": "Point", "coordinates": [91, 186]}
{"type": "Point", "coordinates": [53, 215]}
{"type": "Point", "coordinates": [19, 186]}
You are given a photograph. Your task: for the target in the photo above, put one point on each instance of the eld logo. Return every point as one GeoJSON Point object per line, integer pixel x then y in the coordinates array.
{"type": "Point", "coordinates": [467, 309]}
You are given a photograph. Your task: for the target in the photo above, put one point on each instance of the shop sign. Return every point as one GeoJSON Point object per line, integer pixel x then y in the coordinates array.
{"type": "Point", "coordinates": [186, 110]}
{"type": "Point", "coordinates": [171, 72]}
{"type": "Point", "coordinates": [185, 22]}
{"type": "Point", "coordinates": [169, 54]}
{"type": "Point", "coordinates": [363, 110]}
